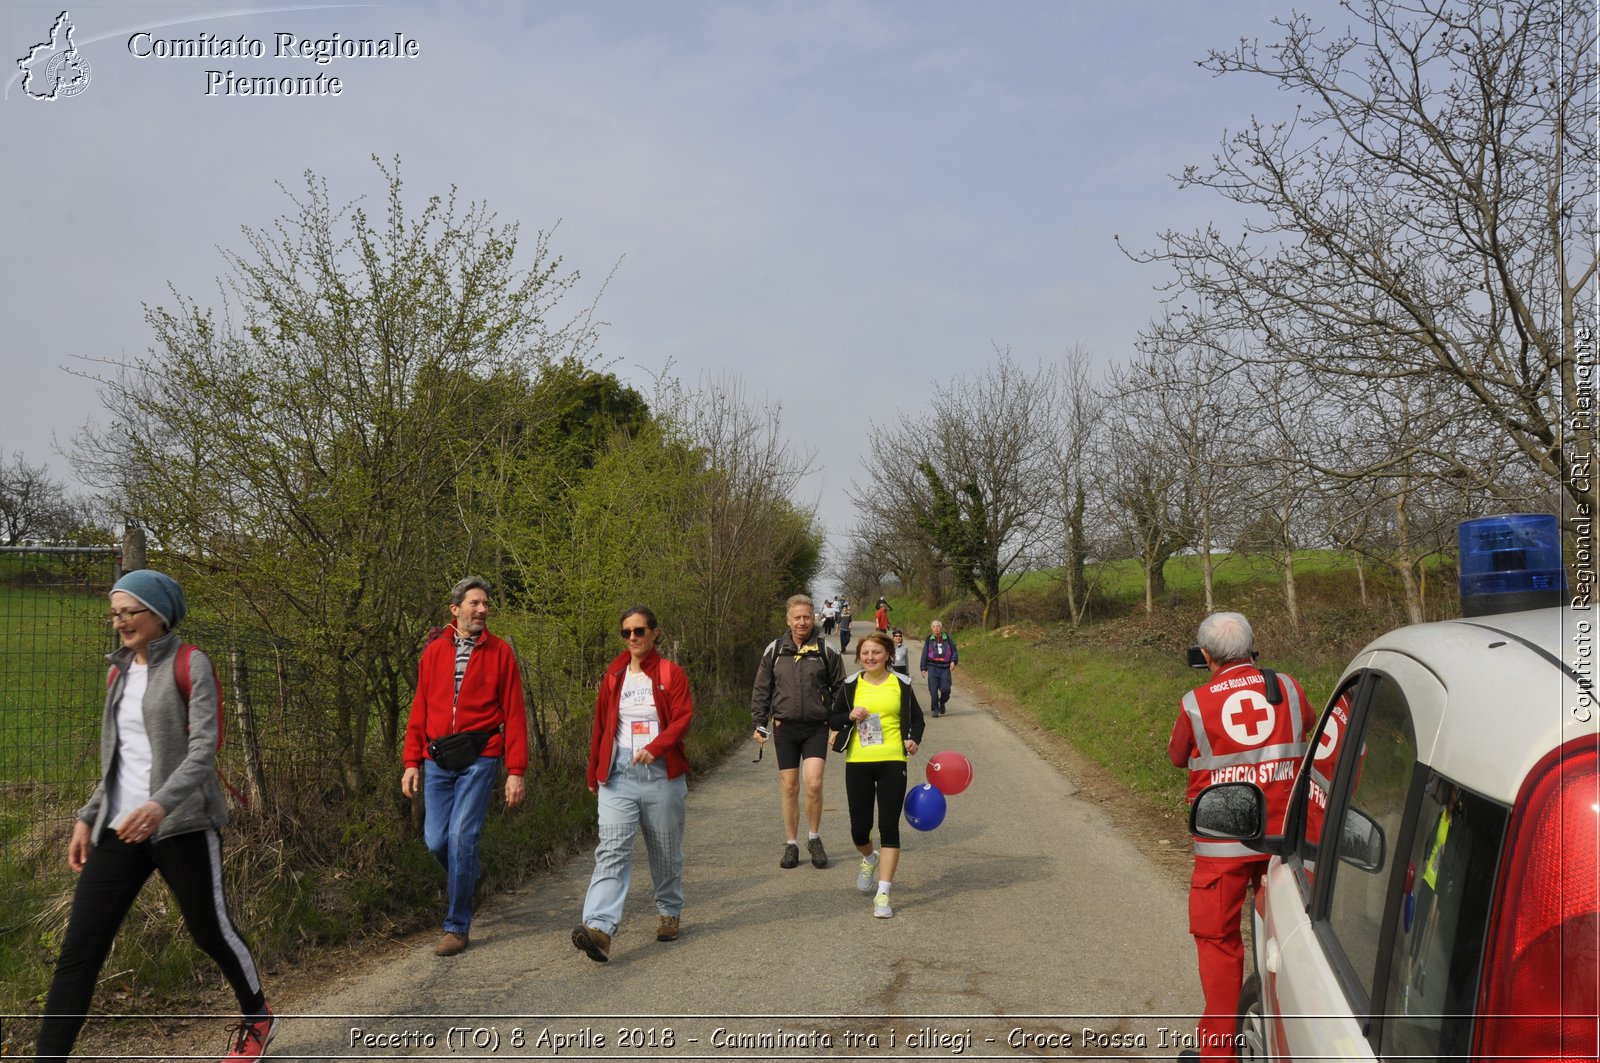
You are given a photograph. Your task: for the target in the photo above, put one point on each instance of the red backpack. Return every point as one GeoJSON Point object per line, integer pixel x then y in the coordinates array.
{"type": "Point", "coordinates": [180, 672]}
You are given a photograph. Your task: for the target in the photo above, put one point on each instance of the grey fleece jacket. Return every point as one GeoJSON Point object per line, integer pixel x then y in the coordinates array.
{"type": "Point", "coordinates": [183, 743]}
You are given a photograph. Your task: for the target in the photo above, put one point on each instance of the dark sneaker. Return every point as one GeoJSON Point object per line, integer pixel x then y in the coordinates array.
{"type": "Point", "coordinates": [596, 944]}
{"type": "Point", "coordinates": [819, 855]}
{"type": "Point", "coordinates": [667, 928]}
{"type": "Point", "coordinates": [250, 1037]}
{"type": "Point", "coordinates": [791, 855]}
{"type": "Point", "coordinates": [450, 944]}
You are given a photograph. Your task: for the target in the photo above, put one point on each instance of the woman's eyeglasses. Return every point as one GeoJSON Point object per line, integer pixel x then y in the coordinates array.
{"type": "Point", "coordinates": [124, 614]}
{"type": "Point", "coordinates": [635, 632]}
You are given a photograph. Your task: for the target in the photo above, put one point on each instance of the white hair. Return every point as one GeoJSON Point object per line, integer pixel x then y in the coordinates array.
{"type": "Point", "coordinates": [1226, 636]}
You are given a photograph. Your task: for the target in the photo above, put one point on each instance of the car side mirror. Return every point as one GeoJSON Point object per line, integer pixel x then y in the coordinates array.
{"type": "Point", "coordinates": [1234, 812]}
{"type": "Point", "coordinates": [1361, 842]}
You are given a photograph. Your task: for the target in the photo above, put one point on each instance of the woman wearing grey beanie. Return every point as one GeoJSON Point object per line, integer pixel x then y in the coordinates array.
{"type": "Point", "coordinates": [158, 808]}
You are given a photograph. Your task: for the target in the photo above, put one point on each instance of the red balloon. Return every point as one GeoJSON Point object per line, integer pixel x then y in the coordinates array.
{"type": "Point", "coordinates": [949, 772]}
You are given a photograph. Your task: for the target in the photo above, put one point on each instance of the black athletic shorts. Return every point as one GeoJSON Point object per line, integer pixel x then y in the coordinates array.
{"type": "Point", "coordinates": [799, 741]}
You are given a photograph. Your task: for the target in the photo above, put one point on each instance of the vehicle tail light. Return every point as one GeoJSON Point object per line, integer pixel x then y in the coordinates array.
{"type": "Point", "coordinates": [1540, 994]}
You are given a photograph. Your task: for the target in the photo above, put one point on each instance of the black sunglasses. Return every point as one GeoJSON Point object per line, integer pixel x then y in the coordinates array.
{"type": "Point", "coordinates": [635, 632]}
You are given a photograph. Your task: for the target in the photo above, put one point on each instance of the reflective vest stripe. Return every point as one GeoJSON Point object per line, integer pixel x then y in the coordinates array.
{"type": "Point", "coordinates": [1225, 850]}
{"type": "Point", "coordinates": [1197, 725]}
{"type": "Point", "coordinates": [1260, 755]}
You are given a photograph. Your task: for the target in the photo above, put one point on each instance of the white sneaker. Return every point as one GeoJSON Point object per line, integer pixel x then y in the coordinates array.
{"type": "Point", "coordinates": [880, 906]}
{"type": "Point", "coordinates": [867, 873]}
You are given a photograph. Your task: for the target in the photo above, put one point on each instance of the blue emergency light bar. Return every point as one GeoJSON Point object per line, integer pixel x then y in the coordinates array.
{"type": "Point", "coordinates": [1510, 563]}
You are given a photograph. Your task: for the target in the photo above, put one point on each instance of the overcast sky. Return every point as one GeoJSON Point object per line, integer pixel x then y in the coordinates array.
{"type": "Point", "coordinates": [841, 203]}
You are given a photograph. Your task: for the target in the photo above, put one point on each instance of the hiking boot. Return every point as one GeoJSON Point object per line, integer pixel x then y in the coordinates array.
{"type": "Point", "coordinates": [791, 855]}
{"type": "Point", "coordinates": [596, 944]}
{"type": "Point", "coordinates": [250, 1037]}
{"type": "Point", "coordinates": [880, 906]}
{"type": "Point", "coordinates": [450, 944]}
{"type": "Point", "coordinates": [867, 873]}
{"type": "Point", "coordinates": [819, 855]}
{"type": "Point", "coordinates": [667, 928]}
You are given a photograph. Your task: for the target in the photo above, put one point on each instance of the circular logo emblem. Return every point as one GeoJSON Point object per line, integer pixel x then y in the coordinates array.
{"type": "Point", "coordinates": [67, 73]}
{"type": "Point", "coordinates": [1248, 717]}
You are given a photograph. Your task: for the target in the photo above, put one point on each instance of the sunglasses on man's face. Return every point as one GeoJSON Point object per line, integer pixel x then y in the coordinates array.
{"type": "Point", "coordinates": [635, 632]}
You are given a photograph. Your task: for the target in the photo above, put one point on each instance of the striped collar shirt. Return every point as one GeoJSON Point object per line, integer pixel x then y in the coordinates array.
{"type": "Point", "coordinates": [465, 644]}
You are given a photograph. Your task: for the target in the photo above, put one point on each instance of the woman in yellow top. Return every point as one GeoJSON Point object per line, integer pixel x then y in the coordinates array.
{"type": "Point", "coordinates": [879, 724]}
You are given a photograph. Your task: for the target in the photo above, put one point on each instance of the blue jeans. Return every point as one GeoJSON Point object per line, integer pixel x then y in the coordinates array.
{"type": "Point", "coordinates": [635, 796]}
{"type": "Point", "coordinates": [938, 687]}
{"type": "Point", "coordinates": [454, 804]}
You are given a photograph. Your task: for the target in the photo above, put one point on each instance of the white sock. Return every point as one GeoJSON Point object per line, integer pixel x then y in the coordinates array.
{"type": "Point", "coordinates": [883, 887]}
{"type": "Point", "coordinates": [812, 835]}
{"type": "Point", "coordinates": [794, 843]}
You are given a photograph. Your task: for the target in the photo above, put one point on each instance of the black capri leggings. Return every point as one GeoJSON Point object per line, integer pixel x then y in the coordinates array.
{"type": "Point", "coordinates": [885, 782]}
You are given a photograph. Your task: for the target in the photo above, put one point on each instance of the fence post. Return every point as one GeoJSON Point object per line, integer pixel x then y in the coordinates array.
{"type": "Point", "coordinates": [132, 547]}
{"type": "Point", "coordinates": [255, 778]}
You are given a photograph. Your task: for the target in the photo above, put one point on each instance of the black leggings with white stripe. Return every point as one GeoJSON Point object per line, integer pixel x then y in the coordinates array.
{"type": "Point", "coordinates": [112, 877]}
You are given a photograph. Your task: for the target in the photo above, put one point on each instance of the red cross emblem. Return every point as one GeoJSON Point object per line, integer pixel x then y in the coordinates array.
{"type": "Point", "coordinates": [1248, 717]}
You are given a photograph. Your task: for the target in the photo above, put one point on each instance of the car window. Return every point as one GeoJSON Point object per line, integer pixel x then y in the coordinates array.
{"type": "Point", "coordinates": [1326, 742]}
{"type": "Point", "coordinates": [1438, 944]}
{"type": "Point", "coordinates": [1369, 824]}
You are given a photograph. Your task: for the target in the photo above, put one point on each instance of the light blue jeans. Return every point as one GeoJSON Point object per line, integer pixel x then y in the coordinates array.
{"type": "Point", "coordinates": [637, 796]}
{"type": "Point", "coordinates": [454, 805]}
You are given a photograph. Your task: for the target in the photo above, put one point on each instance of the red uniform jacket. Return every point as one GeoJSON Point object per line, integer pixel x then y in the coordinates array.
{"type": "Point", "coordinates": [491, 695]}
{"type": "Point", "coordinates": [674, 705]}
{"type": "Point", "coordinates": [1227, 731]}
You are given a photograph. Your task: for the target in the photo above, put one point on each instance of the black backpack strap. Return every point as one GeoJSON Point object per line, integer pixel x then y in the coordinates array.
{"type": "Point", "coordinates": [1274, 686]}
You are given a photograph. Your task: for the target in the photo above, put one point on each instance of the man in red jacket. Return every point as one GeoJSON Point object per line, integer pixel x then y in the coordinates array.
{"type": "Point", "coordinates": [468, 682]}
{"type": "Point", "coordinates": [1244, 724]}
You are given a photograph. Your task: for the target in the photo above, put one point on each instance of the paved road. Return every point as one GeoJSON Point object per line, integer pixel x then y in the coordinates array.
{"type": "Point", "coordinates": [1024, 911]}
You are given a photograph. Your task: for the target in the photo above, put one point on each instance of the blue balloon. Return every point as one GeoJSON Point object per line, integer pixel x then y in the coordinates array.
{"type": "Point", "coordinates": [925, 807]}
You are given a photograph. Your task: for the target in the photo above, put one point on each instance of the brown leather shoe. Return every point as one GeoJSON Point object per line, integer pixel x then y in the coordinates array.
{"type": "Point", "coordinates": [596, 944]}
{"type": "Point", "coordinates": [667, 928]}
{"type": "Point", "coordinates": [450, 944]}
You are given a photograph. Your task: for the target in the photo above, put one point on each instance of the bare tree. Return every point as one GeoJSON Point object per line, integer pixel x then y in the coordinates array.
{"type": "Point", "coordinates": [988, 474]}
{"type": "Point", "coordinates": [1427, 212]}
{"type": "Point", "coordinates": [33, 505]}
{"type": "Point", "coordinates": [1167, 460]}
{"type": "Point", "coordinates": [886, 510]}
{"type": "Point", "coordinates": [743, 549]}
{"type": "Point", "coordinates": [1078, 424]}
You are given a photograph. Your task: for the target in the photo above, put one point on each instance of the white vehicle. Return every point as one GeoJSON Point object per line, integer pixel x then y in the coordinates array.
{"type": "Point", "coordinates": [1458, 765]}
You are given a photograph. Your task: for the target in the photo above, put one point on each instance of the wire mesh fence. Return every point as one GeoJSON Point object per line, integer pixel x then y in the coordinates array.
{"type": "Point", "coordinates": [54, 635]}
{"type": "Point", "coordinates": [53, 641]}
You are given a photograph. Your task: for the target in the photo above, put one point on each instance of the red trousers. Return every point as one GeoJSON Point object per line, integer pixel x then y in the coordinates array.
{"type": "Point", "coordinates": [1216, 897]}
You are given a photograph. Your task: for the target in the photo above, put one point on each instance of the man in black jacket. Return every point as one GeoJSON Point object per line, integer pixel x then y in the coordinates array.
{"type": "Point", "coordinates": [790, 701]}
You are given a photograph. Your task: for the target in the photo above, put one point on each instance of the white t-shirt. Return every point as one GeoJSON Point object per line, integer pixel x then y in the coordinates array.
{"type": "Point", "coordinates": [637, 720]}
{"type": "Point", "coordinates": [133, 746]}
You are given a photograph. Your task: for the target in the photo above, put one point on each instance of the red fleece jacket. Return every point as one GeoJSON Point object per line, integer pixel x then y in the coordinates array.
{"type": "Point", "coordinates": [491, 694]}
{"type": "Point", "coordinates": [674, 705]}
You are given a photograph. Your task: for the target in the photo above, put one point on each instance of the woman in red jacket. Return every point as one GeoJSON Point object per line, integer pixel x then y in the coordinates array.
{"type": "Point", "coordinates": [639, 772]}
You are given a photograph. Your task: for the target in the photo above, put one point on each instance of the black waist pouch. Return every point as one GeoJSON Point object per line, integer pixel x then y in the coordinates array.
{"type": "Point", "coordinates": [457, 751]}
